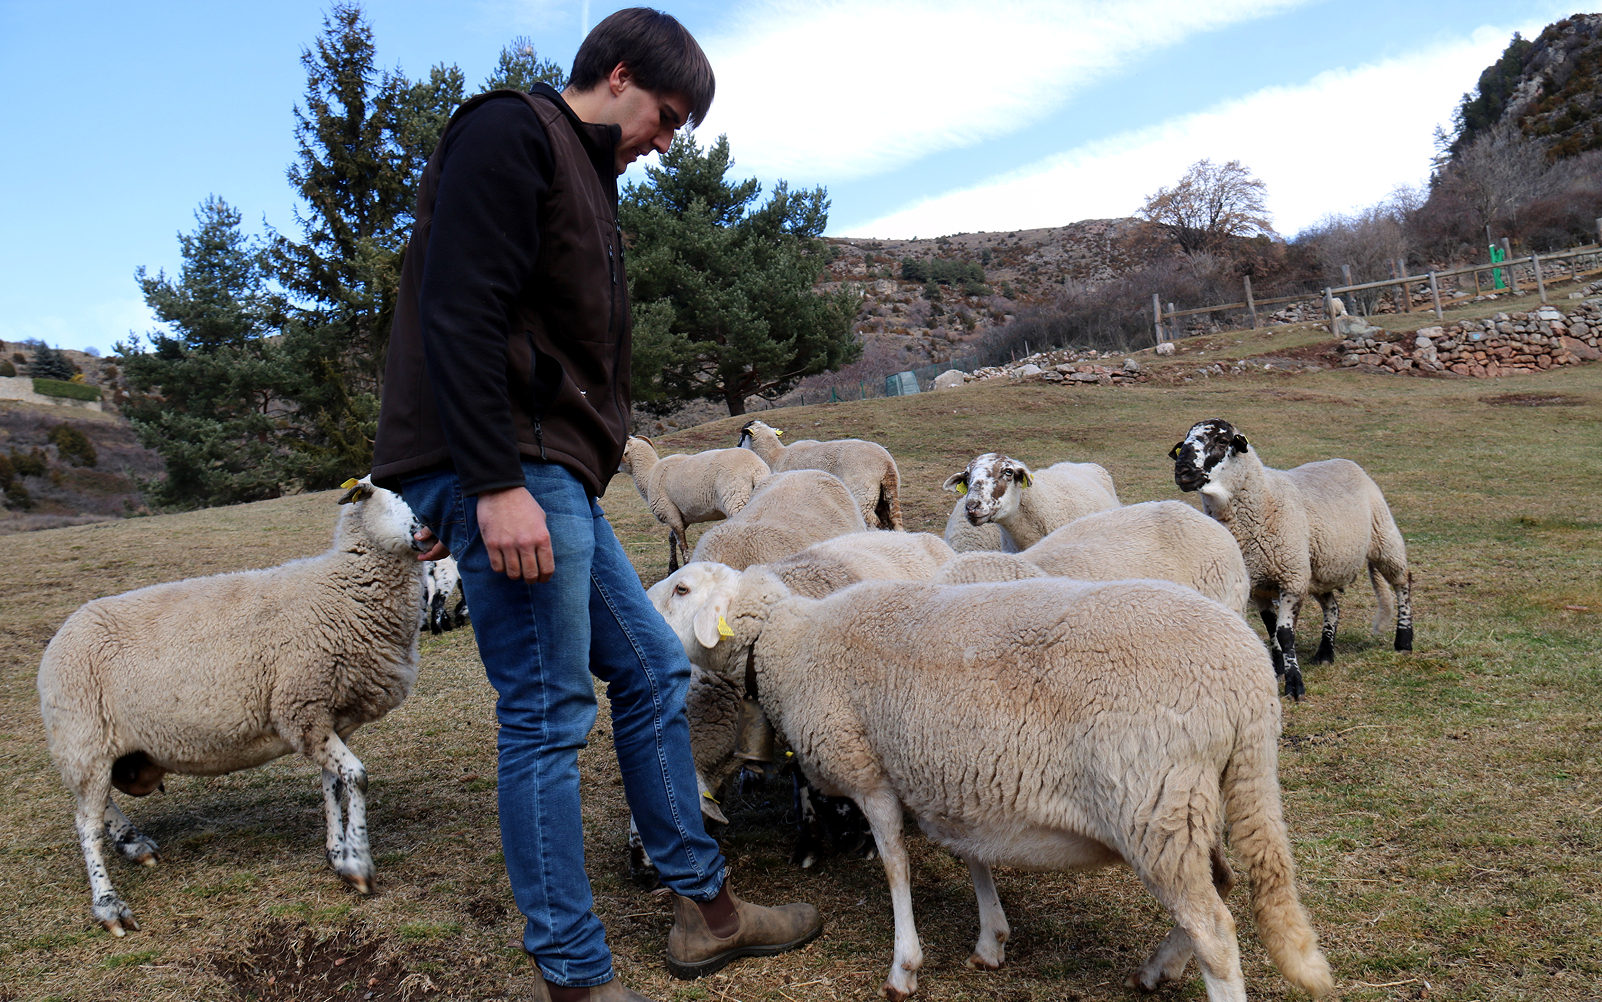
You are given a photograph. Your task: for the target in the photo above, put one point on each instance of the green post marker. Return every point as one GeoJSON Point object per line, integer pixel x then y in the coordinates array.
{"type": "Point", "coordinates": [1497, 254]}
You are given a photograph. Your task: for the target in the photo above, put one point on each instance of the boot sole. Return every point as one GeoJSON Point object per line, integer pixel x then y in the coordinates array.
{"type": "Point", "coordinates": [718, 961]}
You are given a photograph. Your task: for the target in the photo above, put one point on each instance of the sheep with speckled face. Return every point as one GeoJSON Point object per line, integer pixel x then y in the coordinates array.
{"type": "Point", "coordinates": [965, 537]}
{"type": "Point", "coordinates": [1307, 531]}
{"type": "Point", "coordinates": [866, 468]}
{"type": "Point", "coordinates": [216, 674]}
{"type": "Point", "coordinates": [1027, 503]}
{"type": "Point", "coordinates": [1047, 724]}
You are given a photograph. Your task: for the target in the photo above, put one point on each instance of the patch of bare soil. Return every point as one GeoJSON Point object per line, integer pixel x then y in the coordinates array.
{"type": "Point", "coordinates": [1534, 400]}
{"type": "Point", "coordinates": [290, 962]}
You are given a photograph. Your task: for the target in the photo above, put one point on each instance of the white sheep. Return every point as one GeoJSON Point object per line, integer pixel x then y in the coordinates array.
{"type": "Point", "coordinates": [700, 487]}
{"type": "Point", "coordinates": [965, 537]}
{"type": "Point", "coordinates": [1045, 724]}
{"type": "Point", "coordinates": [216, 674]}
{"type": "Point", "coordinates": [1029, 504]}
{"type": "Point", "coordinates": [1166, 540]}
{"type": "Point", "coordinates": [867, 468]}
{"type": "Point", "coordinates": [788, 513]}
{"type": "Point", "coordinates": [987, 565]}
{"type": "Point", "coordinates": [1307, 531]}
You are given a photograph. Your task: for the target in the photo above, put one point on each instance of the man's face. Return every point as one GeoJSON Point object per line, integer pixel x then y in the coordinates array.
{"type": "Point", "coordinates": [648, 120]}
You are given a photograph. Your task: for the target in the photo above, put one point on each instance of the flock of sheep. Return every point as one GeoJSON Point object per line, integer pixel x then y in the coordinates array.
{"type": "Point", "coordinates": [1060, 682]}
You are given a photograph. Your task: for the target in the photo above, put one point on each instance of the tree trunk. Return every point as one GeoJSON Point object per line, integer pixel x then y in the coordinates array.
{"type": "Point", "coordinates": [736, 401]}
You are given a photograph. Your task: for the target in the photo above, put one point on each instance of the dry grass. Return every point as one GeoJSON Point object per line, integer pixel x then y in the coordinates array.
{"type": "Point", "coordinates": [1443, 804]}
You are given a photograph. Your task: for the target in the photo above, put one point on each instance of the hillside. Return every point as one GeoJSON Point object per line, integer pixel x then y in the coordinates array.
{"type": "Point", "coordinates": [1549, 89]}
{"type": "Point", "coordinates": [1442, 804]}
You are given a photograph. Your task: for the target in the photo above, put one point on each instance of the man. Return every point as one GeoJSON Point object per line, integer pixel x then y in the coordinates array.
{"type": "Point", "coordinates": [505, 412]}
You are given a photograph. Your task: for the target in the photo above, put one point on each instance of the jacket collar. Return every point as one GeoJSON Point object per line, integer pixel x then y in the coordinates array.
{"type": "Point", "coordinates": [600, 141]}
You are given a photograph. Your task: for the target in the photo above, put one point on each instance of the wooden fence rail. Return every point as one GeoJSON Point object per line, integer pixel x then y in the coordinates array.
{"type": "Point", "coordinates": [1168, 330]}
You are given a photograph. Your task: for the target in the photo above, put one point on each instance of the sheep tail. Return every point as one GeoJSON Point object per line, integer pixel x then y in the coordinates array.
{"type": "Point", "coordinates": [1384, 600]}
{"type": "Point", "coordinates": [1257, 831]}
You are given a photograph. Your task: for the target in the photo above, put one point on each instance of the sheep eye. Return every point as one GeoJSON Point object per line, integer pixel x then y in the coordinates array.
{"type": "Point", "coordinates": [1007, 474]}
{"type": "Point", "coordinates": [681, 589]}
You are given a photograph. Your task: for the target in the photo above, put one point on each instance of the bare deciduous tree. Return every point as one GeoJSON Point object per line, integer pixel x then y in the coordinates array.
{"type": "Point", "coordinates": [1501, 171]}
{"type": "Point", "coordinates": [1210, 203]}
{"type": "Point", "coordinates": [1367, 240]}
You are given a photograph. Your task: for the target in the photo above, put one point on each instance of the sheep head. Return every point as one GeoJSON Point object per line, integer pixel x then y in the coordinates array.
{"type": "Point", "coordinates": [717, 612]}
{"type": "Point", "coordinates": [992, 484]}
{"type": "Point", "coordinates": [1208, 446]}
{"type": "Point", "coordinates": [381, 516]}
{"type": "Point", "coordinates": [639, 453]}
{"type": "Point", "coordinates": [756, 430]}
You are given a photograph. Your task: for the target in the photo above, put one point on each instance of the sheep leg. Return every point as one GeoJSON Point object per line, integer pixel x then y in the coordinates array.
{"type": "Point", "coordinates": [1193, 893]}
{"type": "Point", "coordinates": [344, 778]}
{"type": "Point", "coordinates": [1168, 962]}
{"type": "Point", "coordinates": [1404, 612]}
{"type": "Point", "coordinates": [1331, 605]}
{"type": "Point", "coordinates": [134, 844]}
{"type": "Point", "coordinates": [1270, 621]}
{"type": "Point", "coordinates": [991, 949]}
{"type": "Point", "coordinates": [883, 811]}
{"type": "Point", "coordinates": [641, 870]}
{"type": "Point", "coordinates": [1285, 634]}
{"type": "Point", "coordinates": [93, 794]}
{"type": "Point", "coordinates": [673, 551]}
{"type": "Point", "coordinates": [809, 834]}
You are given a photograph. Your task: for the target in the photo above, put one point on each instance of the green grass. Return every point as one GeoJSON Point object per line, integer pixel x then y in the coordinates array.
{"type": "Point", "coordinates": [1444, 805]}
{"type": "Point", "coordinates": [62, 388]}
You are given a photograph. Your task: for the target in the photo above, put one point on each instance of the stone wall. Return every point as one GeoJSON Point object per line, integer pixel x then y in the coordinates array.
{"type": "Point", "coordinates": [1500, 345]}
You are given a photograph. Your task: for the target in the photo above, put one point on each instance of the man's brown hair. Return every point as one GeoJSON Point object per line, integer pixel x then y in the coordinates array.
{"type": "Point", "coordinates": [659, 52]}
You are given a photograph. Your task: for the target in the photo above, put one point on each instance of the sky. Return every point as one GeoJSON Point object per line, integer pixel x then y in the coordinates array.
{"type": "Point", "coordinates": [919, 118]}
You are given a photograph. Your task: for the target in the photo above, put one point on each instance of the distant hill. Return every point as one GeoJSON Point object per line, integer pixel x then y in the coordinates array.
{"type": "Point", "coordinates": [1549, 88]}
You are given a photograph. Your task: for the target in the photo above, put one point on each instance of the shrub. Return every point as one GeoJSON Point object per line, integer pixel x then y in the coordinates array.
{"type": "Point", "coordinates": [17, 496]}
{"type": "Point", "coordinates": [28, 464]}
{"type": "Point", "coordinates": [73, 445]}
{"type": "Point", "coordinates": [62, 388]}
{"type": "Point", "coordinates": [7, 369]}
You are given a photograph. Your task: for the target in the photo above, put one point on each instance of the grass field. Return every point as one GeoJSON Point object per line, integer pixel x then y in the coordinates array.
{"type": "Point", "coordinates": [1443, 804]}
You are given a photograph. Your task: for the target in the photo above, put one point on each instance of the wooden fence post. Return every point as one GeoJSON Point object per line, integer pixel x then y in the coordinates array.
{"type": "Point", "coordinates": [1173, 322]}
{"type": "Point", "coordinates": [1435, 290]}
{"type": "Point", "coordinates": [1329, 309]}
{"type": "Point", "coordinates": [1512, 277]}
{"type": "Point", "coordinates": [1251, 306]}
{"type": "Point", "coordinates": [1599, 229]}
{"type": "Point", "coordinates": [1404, 298]}
{"type": "Point", "coordinates": [1540, 285]}
{"type": "Point", "coordinates": [1346, 279]}
{"type": "Point", "coordinates": [1157, 317]}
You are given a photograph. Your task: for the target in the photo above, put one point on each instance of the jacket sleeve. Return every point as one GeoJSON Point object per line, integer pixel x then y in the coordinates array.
{"type": "Point", "coordinates": [482, 247]}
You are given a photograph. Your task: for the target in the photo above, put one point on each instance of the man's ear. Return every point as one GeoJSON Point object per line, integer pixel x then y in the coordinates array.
{"type": "Point", "coordinates": [709, 618]}
{"type": "Point", "coordinates": [1239, 444]}
{"type": "Point", "coordinates": [957, 483]}
{"type": "Point", "coordinates": [1174, 452]}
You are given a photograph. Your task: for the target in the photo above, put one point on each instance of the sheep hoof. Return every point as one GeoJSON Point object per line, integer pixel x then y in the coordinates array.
{"type": "Point", "coordinates": [1404, 639]}
{"type": "Point", "coordinates": [114, 915]}
{"type": "Point", "coordinates": [977, 963]}
{"type": "Point", "coordinates": [1325, 656]}
{"type": "Point", "coordinates": [149, 859]}
{"type": "Point", "coordinates": [895, 994]}
{"type": "Point", "coordinates": [363, 883]}
{"type": "Point", "coordinates": [1293, 685]}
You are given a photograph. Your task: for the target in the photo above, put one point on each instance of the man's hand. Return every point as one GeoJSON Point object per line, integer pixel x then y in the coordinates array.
{"type": "Point", "coordinates": [437, 551]}
{"type": "Point", "coordinates": [512, 524]}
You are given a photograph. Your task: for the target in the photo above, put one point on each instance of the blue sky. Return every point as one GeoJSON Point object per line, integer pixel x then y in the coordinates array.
{"type": "Point", "coordinates": [920, 118]}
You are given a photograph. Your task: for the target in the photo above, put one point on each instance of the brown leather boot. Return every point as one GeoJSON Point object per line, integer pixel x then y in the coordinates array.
{"type": "Point", "coordinates": [612, 991]}
{"type": "Point", "coordinates": [695, 951]}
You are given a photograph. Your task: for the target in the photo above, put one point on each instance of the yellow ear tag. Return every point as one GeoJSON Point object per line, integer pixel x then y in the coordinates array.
{"type": "Point", "coordinates": [709, 796]}
{"type": "Point", "coordinates": [723, 628]}
{"type": "Point", "coordinates": [352, 482]}
{"type": "Point", "coordinates": [962, 489]}
{"type": "Point", "coordinates": [776, 431]}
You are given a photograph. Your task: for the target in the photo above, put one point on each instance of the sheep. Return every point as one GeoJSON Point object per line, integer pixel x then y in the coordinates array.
{"type": "Point", "coordinates": [714, 709]}
{"type": "Point", "coordinates": [441, 582]}
{"type": "Point", "coordinates": [1030, 504]}
{"type": "Point", "coordinates": [982, 565]}
{"type": "Point", "coordinates": [1048, 724]}
{"type": "Point", "coordinates": [215, 674]}
{"type": "Point", "coordinates": [1166, 540]}
{"type": "Point", "coordinates": [788, 513]}
{"type": "Point", "coordinates": [683, 490]}
{"type": "Point", "coordinates": [965, 537]}
{"type": "Point", "coordinates": [1306, 531]}
{"type": "Point", "coordinates": [867, 468]}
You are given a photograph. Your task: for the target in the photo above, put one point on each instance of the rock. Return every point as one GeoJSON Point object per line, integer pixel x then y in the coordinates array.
{"type": "Point", "coordinates": [1130, 365]}
{"type": "Point", "coordinates": [949, 379]}
{"type": "Point", "coordinates": [1580, 349]}
{"type": "Point", "coordinates": [1427, 334]}
{"type": "Point", "coordinates": [1166, 348]}
{"type": "Point", "coordinates": [1350, 326]}
{"type": "Point", "coordinates": [1548, 313]}
{"type": "Point", "coordinates": [1030, 369]}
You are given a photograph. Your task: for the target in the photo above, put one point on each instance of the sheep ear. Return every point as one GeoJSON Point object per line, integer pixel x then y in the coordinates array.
{"type": "Point", "coordinates": [1025, 478]}
{"type": "Point", "coordinates": [355, 490]}
{"type": "Point", "coordinates": [957, 483]}
{"type": "Point", "coordinates": [709, 622]}
{"type": "Point", "coordinates": [1240, 443]}
{"type": "Point", "coordinates": [1174, 452]}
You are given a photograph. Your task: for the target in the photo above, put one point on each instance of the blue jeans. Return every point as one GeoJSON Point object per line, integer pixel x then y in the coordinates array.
{"type": "Point", "coordinates": [540, 643]}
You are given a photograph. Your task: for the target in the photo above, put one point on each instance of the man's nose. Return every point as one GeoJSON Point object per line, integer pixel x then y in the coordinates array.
{"type": "Point", "coordinates": [663, 140]}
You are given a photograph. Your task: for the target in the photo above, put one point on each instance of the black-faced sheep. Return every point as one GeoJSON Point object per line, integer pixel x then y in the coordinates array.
{"type": "Point", "coordinates": [866, 468]}
{"type": "Point", "coordinates": [1046, 724]}
{"type": "Point", "coordinates": [699, 487]}
{"type": "Point", "coordinates": [1307, 531]}
{"type": "Point", "coordinates": [216, 674]}
{"type": "Point", "coordinates": [1029, 504]}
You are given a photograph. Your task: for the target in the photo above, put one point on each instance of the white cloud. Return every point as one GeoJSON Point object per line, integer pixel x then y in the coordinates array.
{"type": "Point", "coordinates": [843, 89]}
{"type": "Point", "coordinates": [1342, 140]}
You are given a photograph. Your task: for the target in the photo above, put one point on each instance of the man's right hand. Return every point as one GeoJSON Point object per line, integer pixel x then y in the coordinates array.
{"type": "Point", "coordinates": [512, 525]}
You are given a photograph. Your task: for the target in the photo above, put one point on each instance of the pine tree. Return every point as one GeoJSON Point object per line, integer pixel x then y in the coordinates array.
{"type": "Point", "coordinates": [45, 362]}
{"type": "Point", "coordinates": [520, 68]}
{"type": "Point", "coordinates": [213, 395]}
{"type": "Point", "coordinates": [723, 291]}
